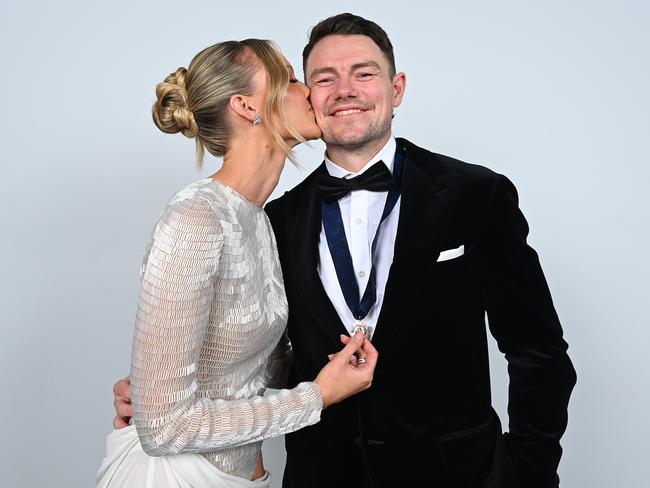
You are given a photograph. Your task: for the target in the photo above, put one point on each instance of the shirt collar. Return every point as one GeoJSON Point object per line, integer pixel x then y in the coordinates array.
{"type": "Point", "coordinates": [385, 154]}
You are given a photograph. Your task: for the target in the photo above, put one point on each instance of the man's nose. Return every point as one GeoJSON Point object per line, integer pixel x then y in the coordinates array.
{"type": "Point", "coordinates": [345, 88]}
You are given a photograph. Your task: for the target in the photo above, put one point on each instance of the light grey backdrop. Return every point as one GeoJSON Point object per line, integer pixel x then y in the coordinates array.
{"type": "Point", "coordinates": [554, 94]}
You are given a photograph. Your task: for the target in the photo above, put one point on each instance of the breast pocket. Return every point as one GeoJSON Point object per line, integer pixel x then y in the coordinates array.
{"type": "Point", "coordinates": [456, 275]}
{"type": "Point", "coordinates": [453, 253]}
{"type": "Point", "coordinates": [454, 256]}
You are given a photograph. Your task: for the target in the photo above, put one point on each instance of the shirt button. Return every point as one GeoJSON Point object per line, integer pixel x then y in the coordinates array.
{"type": "Point", "coordinates": [362, 274]}
{"type": "Point", "coordinates": [358, 221]}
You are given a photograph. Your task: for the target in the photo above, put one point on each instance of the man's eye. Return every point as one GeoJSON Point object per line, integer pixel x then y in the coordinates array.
{"type": "Point", "coordinates": [324, 81]}
{"type": "Point", "coordinates": [365, 75]}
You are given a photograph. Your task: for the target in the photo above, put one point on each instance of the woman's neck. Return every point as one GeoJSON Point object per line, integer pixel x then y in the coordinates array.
{"type": "Point", "coordinates": [252, 168]}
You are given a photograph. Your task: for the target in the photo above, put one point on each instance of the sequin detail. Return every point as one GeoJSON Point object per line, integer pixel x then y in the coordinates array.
{"type": "Point", "coordinates": [210, 334]}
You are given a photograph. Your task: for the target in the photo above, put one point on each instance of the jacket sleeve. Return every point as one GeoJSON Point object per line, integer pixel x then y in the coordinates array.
{"type": "Point", "coordinates": [524, 322]}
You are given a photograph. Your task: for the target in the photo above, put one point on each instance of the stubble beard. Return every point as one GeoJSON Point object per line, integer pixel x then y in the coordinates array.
{"type": "Point", "coordinates": [375, 133]}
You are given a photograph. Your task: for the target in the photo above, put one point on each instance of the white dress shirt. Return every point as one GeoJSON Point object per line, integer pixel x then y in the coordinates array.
{"type": "Point", "coordinates": [361, 211]}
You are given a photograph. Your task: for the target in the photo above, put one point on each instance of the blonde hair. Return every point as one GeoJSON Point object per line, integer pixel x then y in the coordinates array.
{"type": "Point", "coordinates": [195, 101]}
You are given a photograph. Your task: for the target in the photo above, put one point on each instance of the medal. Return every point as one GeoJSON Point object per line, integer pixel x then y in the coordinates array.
{"type": "Point", "coordinates": [365, 329]}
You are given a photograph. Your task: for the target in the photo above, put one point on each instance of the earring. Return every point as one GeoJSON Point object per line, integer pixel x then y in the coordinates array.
{"type": "Point", "coordinates": [257, 119]}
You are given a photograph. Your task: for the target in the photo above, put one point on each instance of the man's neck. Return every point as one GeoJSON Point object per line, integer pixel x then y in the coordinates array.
{"type": "Point", "coordinates": [354, 158]}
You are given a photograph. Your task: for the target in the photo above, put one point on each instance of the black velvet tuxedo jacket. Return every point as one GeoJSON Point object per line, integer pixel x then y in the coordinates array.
{"type": "Point", "coordinates": [427, 419]}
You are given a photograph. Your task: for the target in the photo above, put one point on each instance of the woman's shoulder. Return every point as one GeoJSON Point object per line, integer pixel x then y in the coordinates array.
{"type": "Point", "coordinates": [191, 223]}
{"type": "Point", "coordinates": [201, 202]}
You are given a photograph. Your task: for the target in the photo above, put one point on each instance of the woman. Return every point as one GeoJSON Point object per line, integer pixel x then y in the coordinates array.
{"type": "Point", "coordinates": [209, 335]}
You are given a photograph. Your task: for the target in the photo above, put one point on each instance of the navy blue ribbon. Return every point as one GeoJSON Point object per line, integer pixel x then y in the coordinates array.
{"type": "Point", "coordinates": [340, 251]}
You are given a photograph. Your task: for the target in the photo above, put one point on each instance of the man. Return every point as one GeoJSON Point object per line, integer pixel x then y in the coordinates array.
{"type": "Point", "coordinates": [417, 241]}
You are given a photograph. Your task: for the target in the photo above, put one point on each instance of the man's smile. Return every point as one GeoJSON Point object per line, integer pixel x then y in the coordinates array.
{"type": "Point", "coordinates": [347, 110]}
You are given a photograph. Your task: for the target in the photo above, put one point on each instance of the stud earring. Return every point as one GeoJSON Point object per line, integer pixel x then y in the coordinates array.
{"type": "Point", "coordinates": [257, 119]}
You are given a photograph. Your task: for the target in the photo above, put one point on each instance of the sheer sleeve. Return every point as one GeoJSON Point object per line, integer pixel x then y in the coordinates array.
{"type": "Point", "coordinates": [277, 370]}
{"type": "Point", "coordinates": [176, 298]}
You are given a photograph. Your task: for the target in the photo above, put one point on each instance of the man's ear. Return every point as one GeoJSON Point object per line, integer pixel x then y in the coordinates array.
{"type": "Point", "coordinates": [241, 105]}
{"type": "Point", "coordinates": [399, 85]}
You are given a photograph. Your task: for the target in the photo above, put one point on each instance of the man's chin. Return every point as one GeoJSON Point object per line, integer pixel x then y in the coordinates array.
{"type": "Point", "coordinates": [345, 140]}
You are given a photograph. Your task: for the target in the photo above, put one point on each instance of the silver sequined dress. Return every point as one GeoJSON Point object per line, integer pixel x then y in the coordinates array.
{"type": "Point", "coordinates": [209, 335]}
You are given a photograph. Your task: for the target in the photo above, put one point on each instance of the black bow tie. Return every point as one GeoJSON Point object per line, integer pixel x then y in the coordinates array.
{"type": "Point", "coordinates": [376, 178]}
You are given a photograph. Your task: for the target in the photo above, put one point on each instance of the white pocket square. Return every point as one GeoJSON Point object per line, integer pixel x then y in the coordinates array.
{"type": "Point", "coordinates": [451, 253]}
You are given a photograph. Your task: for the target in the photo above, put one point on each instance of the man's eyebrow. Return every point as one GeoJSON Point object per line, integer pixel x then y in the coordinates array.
{"type": "Point", "coordinates": [365, 64]}
{"type": "Point", "coordinates": [354, 67]}
{"type": "Point", "coordinates": [320, 71]}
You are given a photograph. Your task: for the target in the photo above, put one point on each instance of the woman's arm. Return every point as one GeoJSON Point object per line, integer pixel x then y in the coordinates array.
{"type": "Point", "coordinates": [176, 298]}
{"type": "Point", "coordinates": [277, 369]}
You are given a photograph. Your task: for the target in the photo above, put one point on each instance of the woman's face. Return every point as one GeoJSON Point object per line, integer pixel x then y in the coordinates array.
{"type": "Point", "coordinates": [298, 111]}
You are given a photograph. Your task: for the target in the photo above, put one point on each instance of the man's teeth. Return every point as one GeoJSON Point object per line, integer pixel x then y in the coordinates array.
{"type": "Point", "coordinates": [348, 112]}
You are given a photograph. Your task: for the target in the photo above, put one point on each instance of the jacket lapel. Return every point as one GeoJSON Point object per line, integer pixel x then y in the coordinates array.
{"type": "Point", "coordinates": [427, 198]}
{"type": "Point", "coordinates": [304, 236]}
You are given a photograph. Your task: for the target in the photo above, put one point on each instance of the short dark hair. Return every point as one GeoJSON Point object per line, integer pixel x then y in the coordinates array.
{"type": "Point", "coordinates": [350, 25]}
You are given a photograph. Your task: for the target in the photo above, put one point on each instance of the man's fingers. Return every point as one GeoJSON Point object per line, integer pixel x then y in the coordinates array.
{"type": "Point", "coordinates": [124, 412]}
{"type": "Point", "coordinates": [119, 422]}
{"type": "Point", "coordinates": [123, 407]}
{"type": "Point", "coordinates": [122, 388]}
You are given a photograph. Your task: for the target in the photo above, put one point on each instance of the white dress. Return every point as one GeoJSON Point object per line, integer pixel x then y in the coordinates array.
{"type": "Point", "coordinates": [209, 338]}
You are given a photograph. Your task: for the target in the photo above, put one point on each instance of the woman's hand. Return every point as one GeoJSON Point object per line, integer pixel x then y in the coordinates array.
{"type": "Point", "coordinates": [347, 373]}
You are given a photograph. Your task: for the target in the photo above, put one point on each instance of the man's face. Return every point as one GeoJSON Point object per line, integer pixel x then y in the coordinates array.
{"type": "Point", "coordinates": [352, 92]}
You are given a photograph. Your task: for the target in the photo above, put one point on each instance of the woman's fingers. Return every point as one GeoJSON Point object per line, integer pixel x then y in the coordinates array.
{"type": "Point", "coordinates": [369, 355]}
{"type": "Point", "coordinates": [351, 347]}
{"type": "Point", "coordinates": [352, 360]}
{"type": "Point", "coordinates": [364, 353]}
{"type": "Point", "coordinates": [349, 371]}
{"type": "Point", "coordinates": [368, 349]}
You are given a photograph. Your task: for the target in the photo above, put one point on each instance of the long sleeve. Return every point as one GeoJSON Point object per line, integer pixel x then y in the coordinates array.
{"type": "Point", "coordinates": [173, 341]}
{"type": "Point", "coordinates": [277, 370]}
{"type": "Point", "coordinates": [524, 322]}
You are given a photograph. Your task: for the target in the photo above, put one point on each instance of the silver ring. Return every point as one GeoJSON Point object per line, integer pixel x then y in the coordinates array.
{"type": "Point", "coordinates": [361, 360]}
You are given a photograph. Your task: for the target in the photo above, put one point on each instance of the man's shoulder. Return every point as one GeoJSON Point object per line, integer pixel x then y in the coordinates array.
{"type": "Point", "coordinates": [441, 163]}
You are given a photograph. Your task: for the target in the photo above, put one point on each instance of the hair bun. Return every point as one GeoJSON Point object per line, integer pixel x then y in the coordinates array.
{"type": "Point", "coordinates": [170, 111]}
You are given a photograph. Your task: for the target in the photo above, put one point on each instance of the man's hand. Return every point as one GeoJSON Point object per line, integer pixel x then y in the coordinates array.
{"type": "Point", "coordinates": [122, 403]}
